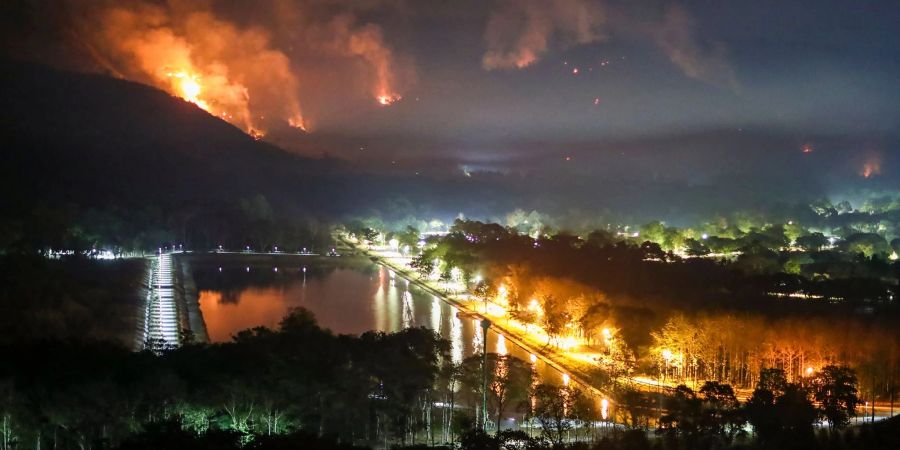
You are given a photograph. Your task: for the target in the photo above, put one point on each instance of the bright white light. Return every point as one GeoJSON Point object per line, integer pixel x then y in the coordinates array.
{"type": "Point", "coordinates": [704, 236]}
{"type": "Point", "coordinates": [565, 379]}
{"type": "Point", "coordinates": [501, 345]}
{"type": "Point", "coordinates": [604, 409]}
{"type": "Point", "coordinates": [533, 358]}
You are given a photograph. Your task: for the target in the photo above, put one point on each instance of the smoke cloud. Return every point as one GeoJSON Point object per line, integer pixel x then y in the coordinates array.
{"type": "Point", "coordinates": [676, 37]}
{"type": "Point", "coordinates": [366, 42]}
{"type": "Point", "coordinates": [519, 32]}
{"type": "Point", "coordinates": [238, 63]}
{"type": "Point", "coordinates": [231, 72]}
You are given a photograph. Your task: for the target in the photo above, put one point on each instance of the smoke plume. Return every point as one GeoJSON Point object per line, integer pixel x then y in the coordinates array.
{"type": "Point", "coordinates": [231, 72]}
{"type": "Point", "coordinates": [241, 64]}
{"type": "Point", "coordinates": [675, 36]}
{"type": "Point", "coordinates": [519, 32]}
{"type": "Point", "coordinates": [366, 42]}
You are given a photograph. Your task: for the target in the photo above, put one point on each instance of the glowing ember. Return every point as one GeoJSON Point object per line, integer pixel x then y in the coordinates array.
{"type": "Point", "coordinates": [255, 133]}
{"type": "Point", "coordinates": [871, 168]}
{"type": "Point", "coordinates": [297, 122]}
{"type": "Point", "coordinates": [386, 100]}
{"type": "Point", "coordinates": [188, 87]}
{"type": "Point", "coordinates": [807, 148]}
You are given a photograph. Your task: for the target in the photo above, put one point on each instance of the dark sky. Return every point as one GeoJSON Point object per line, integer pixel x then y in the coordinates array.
{"type": "Point", "coordinates": [804, 94]}
{"type": "Point", "coordinates": [806, 68]}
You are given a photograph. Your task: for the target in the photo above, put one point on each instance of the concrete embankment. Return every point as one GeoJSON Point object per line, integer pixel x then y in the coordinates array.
{"type": "Point", "coordinates": [171, 309]}
{"type": "Point", "coordinates": [189, 300]}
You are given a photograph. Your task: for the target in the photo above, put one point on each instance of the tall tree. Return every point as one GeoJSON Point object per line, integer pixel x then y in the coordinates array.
{"type": "Point", "coordinates": [836, 391]}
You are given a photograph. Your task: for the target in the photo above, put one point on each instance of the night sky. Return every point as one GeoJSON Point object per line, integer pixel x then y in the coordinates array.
{"type": "Point", "coordinates": [803, 93]}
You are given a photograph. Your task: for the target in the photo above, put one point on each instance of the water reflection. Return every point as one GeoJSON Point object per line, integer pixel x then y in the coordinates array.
{"type": "Point", "coordinates": [501, 345]}
{"type": "Point", "coordinates": [348, 300]}
{"type": "Point", "coordinates": [456, 337]}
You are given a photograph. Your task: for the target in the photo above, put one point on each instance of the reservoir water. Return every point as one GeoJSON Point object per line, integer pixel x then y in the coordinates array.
{"type": "Point", "coordinates": [348, 295]}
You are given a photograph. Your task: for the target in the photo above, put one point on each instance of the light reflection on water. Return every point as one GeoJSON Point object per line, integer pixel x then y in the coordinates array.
{"type": "Point", "coordinates": [345, 300]}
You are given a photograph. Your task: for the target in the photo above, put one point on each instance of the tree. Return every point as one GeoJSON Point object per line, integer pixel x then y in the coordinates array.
{"type": "Point", "coordinates": [758, 259]}
{"type": "Point", "coordinates": [869, 244]}
{"type": "Point", "coordinates": [653, 232]}
{"type": "Point", "coordinates": [637, 408]}
{"type": "Point", "coordinates": [812, 242]}
{"type": "Point", "coordinates": [555, 408]}
{"type": "Point", "coordinates": [601, 238]}
{"type": "Point", "coordinates": [508, 381]}
{"type": "Point", "coordinates": [780, 412]}
{"type": "Point", "coordinates": [408, 237]}
{"type": "Point", "coordinates": [836, 390]}
{"type": "Point", "coordinates": [423, 264]}
{"type": "Point", "coordinates": [694, 247]}
{"type": "Point", "coordinates": [721, 413]}
{"type": "Point", "coordinates": [683, 415]}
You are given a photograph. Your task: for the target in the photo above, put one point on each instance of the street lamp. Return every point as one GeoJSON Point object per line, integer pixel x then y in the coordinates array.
{"type": "Point", "coordinates": [485, 324]}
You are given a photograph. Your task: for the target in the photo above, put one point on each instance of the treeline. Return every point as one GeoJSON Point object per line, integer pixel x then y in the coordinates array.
{"type": "Point", "coordinates": [712, 319]}
{"type": "Point", "coordinates": [303, 387]}
{"type": "Point", "coordinates": [94, 395]}
{"type": "Point", "coordinates": [738, 349]}
{"type": "Point", "coordinates": [620, 266]}
{"type": "Point", "coordinates": [296, 386]}
{"type": "Point", "coordinates": [247, 222]}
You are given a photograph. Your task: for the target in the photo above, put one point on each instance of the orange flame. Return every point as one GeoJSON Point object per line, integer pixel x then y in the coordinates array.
{"type": "Point", "coordinates": [388, 99]}
{"type": "Point", "coordinates": [188, 87]}
{"type": "Point", "coordinates": [871, 168]}
{"type": "Point", "coordinates": [297, 122]}
{"type": "Point", "coordinates": [192, 54]}
{"type": "Point", "coordinates": [256, 134]}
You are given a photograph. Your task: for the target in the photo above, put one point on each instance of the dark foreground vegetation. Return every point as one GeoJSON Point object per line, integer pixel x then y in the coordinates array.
{"type": "Point", "coordinates": [303, 387]}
